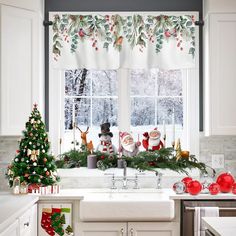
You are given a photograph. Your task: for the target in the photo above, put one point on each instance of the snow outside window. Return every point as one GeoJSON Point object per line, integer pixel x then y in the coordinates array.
{"type": "Point", "coordinates": [154, 97]}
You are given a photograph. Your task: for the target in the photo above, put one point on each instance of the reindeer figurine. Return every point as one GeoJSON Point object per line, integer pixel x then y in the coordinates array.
{"type": "Point", "coordinates": [83, 136]}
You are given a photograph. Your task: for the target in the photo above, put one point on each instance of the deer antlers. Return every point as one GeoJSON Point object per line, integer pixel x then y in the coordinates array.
{"type": "Point", "coordinates": [82, 131]}
{"type": "Point", "coordinates": [83, 135]}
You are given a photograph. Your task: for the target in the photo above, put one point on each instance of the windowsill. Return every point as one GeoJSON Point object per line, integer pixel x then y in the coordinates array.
{"type": "Point", "coordinates": [85, 172]}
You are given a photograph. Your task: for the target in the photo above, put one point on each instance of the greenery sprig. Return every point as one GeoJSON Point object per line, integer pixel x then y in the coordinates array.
{"type": "Point", "coordinates": [164, 158]}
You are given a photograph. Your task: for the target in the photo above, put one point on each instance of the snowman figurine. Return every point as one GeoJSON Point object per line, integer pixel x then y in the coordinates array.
{"type": "Point", "coordinates": [105, 144]}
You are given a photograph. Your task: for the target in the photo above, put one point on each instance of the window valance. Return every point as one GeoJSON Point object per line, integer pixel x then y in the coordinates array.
{"type": "Point", "coordinates": [117, 41]}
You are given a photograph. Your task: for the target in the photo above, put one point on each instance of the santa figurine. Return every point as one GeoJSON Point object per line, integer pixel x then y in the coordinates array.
{"type": "Point", "coordinates": [105, 136]}
{"type": "Point", "coordinates": [128, 147]}
{"type": "Point", "coordinates": [152, 140]}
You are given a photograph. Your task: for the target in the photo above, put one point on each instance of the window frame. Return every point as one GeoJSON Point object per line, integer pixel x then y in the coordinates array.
{"type": "Point", "coordinates": [190, 91]}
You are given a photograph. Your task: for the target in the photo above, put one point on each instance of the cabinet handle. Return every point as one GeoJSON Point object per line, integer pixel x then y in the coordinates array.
{"type": "Point", "coordinates": [131, 232]}
{"type": "Point", "coordinates": [26, 224]}
{"type": "Point", "coordinates": [122, 232]}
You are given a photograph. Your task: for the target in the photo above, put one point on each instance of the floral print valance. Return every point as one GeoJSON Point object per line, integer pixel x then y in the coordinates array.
{"type": "Point", "coordinates": [115, 41]}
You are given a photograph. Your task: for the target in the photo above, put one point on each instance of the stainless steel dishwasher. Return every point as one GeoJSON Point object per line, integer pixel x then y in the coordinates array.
{"type": "Point", "coordinates": [226, 208]}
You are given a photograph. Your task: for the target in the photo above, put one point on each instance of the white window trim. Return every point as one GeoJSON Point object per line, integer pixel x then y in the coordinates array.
{"type": "Point", "coordinates": [191, 90]}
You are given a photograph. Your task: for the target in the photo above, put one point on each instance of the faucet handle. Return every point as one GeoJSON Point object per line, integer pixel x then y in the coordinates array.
{"type": "Point", "coordinates": [113, 181]}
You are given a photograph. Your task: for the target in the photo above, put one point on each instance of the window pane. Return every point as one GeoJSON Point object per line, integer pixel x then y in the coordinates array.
{"type": "Point", "coordinates": [77, 83]}
{"type": "Point", "coordinates": [169, 83]}
{"type": "Point", "coordinates": [165, 108]}
{"type": "Point", "coordinates": [82, 111]}
{"type": "Point", "coordinates": [142, 83]}
{"type": "Point", "coordinates": [142, 111]}
{"type": "Point", "coordinates": [104, 82]}
{"type": "Point", "coordinates": [68, 113]}
{"type": "Point", "coordinates": [104, 110]}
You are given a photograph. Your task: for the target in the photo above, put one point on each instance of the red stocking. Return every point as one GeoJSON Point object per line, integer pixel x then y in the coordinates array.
{"type": "Point", "coordinates": [46, 223]}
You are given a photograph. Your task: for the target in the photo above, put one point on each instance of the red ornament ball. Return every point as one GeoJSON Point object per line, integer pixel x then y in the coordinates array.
{"type": "Point", "coordinates": [194, 187]}
{"type": "Point", "coordinates": [186, 180]}
{"type": "Point", "coordinates": [45, 159]}
{"type": "Point", "coordinates": [214, 188]}
{"type": "Point", "coordinates": [234, 188]}
{"type": "Point", "coordinates": [225, 180]}
{"type": "Point", "coordinates": [47, 173]}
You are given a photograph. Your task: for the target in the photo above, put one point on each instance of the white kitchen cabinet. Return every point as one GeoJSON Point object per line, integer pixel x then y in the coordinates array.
{"type": "Point", "coordinates": [12, 230]}
{"type": "Point", "coordinates": [20, 62]}
{"type": "Point", "coordinates": [219, 73]}
{"type": "Point", "coordinates": [28, 222]}
{"type": "Point", "coordinates": [103, 229]}
{"type": "Point", "coordinates": [129, 229]}
{"type": "Point", "coordinates": [153, 229]}
{"type": "Point", "coordinates": [25, 225]}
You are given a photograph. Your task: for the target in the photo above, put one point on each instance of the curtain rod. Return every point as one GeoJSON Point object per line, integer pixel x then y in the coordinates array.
{"type": "Point", "coordinates": [48, 23]}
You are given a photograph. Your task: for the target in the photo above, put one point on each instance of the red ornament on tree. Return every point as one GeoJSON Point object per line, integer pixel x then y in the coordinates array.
{"type": "Point", "coordinates": [234, 188]}
{"type": "Point", "coordinates": [194, 187]}
{"type": "Point", "coordinates": [214, 188]}
{"type": "Point", "coordinates": [186, 180]}
{"type": "Point", "coordinates": [47, 173]}
{"type": "Point", "coordinates": [225, 181]}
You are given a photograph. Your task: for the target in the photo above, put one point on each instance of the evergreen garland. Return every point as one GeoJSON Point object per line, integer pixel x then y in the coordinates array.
{"type": "Point", "coordinates": [164, 158]}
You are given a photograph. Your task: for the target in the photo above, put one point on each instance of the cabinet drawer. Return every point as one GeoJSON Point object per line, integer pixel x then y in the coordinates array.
{"type": "Point", "coordinates": [25, 223]}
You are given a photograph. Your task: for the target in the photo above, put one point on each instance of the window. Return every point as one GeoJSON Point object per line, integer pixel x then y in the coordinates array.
{"type": "Point", "coordinates": [90, 100]}
{"type": "Point", "coordinates": [154, 97]}
{"type": "Point", "coordinates": [131, 100]}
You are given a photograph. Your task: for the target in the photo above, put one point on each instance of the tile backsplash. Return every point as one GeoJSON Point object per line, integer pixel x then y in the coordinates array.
{"type": "Point", "coordinates": [225, 145]}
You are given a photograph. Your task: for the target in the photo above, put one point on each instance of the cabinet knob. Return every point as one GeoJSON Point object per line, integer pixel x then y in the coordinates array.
{"type": "Point", "coordinates": [26, 224]}
{"type": "Point", "coordinates": [122, 232]}
{"type": "Point", "coordinates": [131, 232]}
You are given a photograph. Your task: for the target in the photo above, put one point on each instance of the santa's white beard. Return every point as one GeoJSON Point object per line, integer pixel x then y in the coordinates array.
{"type": "Point", "coordinates": [129, 147]}
{"type": "Point", "coordinates": [153, 142]}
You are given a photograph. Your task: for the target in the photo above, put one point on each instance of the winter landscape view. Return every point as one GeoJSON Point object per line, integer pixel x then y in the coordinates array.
{"type": "Point", "coordinates": [91, 98]}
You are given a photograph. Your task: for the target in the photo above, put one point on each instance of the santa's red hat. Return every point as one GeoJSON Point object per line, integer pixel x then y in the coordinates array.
{"type": "Point", "coordinates": [123, 135]}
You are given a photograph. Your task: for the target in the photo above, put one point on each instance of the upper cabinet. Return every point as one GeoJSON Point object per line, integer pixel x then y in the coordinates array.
{"type": "Point", "coordinates": [220, 68]}
{"type": "Point", "coordinates": [21, 63]}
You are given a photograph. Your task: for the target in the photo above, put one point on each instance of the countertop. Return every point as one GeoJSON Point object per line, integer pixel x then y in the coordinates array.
{"type": "Point", "coordinates": [13, 206]}
{"type": "Point", "coordinates": [187, 196]}
{"type": "Point", "coordinates": [221, 226]}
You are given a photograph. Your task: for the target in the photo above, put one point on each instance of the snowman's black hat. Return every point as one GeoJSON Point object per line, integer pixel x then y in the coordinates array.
{"type": "Point", "coordinates": [105, 130]}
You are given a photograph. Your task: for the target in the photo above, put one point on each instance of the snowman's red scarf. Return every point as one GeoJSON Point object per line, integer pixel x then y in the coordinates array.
{"type": "Point", "coordinates": [107, 147]}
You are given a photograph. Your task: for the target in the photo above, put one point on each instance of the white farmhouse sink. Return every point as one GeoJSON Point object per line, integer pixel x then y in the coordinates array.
{"type": "Point", "coordinates": [127, 206]}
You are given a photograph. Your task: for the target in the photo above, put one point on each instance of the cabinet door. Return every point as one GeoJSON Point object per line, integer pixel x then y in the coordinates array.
{"type": "Point", "coordinates": [103, 229]}
{"type": "Point", "coordinates": [19, 42]}
{"type": "Point", "coordinates": [28, 222]}
{"type": "Point", "coordinates": [12, 230]}
{"type": "Point", "coordinates": [153, 229]}
{"type": "Point", "coordinates": [220, 82]}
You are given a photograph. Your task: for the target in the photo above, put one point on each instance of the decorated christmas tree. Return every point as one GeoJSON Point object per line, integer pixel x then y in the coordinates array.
{"type": "Point", "coordinates": [32, 163]}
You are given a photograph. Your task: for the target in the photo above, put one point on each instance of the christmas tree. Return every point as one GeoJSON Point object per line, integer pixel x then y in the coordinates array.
{"type": "Point", "coordinates": [32, 163]}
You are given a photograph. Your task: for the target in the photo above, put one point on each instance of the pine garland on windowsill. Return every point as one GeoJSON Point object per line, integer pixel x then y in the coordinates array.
{"type": "Point", "coordinates": [164, 158]}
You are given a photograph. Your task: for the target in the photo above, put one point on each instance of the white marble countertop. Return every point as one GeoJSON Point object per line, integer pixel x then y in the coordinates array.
{"type": "Point", "coordinates": [13, 206]}
{"type": "Point", "coordinates": [221, 226]}
{"type": "Point", "coordinates": [187, 196]}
